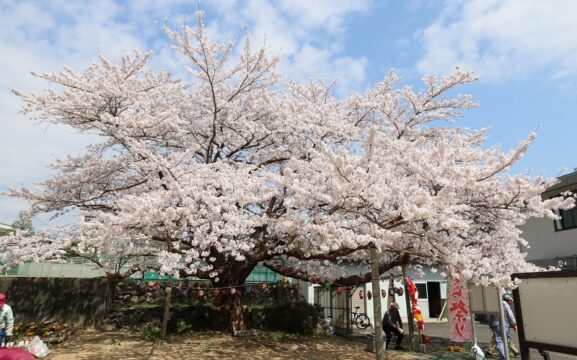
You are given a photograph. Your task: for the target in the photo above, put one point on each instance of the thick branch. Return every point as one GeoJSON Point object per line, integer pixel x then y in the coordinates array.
{"type": "Point", "coordinates": [352, 280]}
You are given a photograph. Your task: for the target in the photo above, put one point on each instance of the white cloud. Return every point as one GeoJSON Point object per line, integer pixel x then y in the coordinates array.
{"type": "Point", "coordinates": [321, 15]}
{"type": "Point", "coordinates": [503, 38]}
{"type": "Point", "coordinates": [308, 34]}
{"type": "Point", "coordinates": [10, 208]}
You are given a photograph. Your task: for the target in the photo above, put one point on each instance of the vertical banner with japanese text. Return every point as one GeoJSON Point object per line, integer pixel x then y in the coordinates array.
{"type": "Point", "coordinates": [460, 318]}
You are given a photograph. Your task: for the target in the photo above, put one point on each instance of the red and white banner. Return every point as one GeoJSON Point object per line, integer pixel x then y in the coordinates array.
{"type": "Point", "coordinates": [460, 318]}
{"type": "Point", "coordinates": [414, 295]}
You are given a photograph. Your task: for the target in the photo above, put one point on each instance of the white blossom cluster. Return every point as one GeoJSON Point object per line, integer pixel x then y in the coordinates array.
{"type": "Point", "coordinates": [230, 168]}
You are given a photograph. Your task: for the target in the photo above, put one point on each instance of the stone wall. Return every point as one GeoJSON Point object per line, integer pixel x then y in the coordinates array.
{"type": "Point", "coordinates": [78, 302]}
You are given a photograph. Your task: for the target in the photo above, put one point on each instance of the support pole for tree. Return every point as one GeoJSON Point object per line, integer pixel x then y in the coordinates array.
{"type": "Point", "coordinates": [391, 297]}
{"type": "Point", "coordinates": [168, 291]}
{"type": "Point", "coordinates": [379, 343]}
{"type": "Point", "coordinates": [410, 320]}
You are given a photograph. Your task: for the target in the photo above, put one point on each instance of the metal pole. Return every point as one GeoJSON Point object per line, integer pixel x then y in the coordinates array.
{"type": "Point", "coordinates": [379, 343]}
{"type": "Point", "coordinates": [503, 331]}
{"type": "Point", "coordinates": [472, 316]}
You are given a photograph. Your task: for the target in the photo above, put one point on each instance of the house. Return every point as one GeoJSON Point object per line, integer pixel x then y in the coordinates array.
{"type": "Point", "coordinates": [554, 242]}
{"type": "Point", "coordinates": [431, 285]}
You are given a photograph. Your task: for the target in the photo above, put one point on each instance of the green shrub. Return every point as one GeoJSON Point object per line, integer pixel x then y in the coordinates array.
{"type": "Point", "coordinates": [183, 327]}
{"type": "Point", "coordinates": [288, 317]}
{"type": "Point", "coordinates": [292, 317]}
{"type": "Point", "coordinates": [150, 332]}
{"type": "Point", "coordinates": [192, 318]}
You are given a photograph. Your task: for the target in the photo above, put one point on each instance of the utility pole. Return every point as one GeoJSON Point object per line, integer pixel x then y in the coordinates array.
{"type": "Point", "coordinates": [379, 343]}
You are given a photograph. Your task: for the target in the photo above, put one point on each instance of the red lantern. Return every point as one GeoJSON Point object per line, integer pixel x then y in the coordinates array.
{"type": "Point", "coordinates": [263, 286]}
{"type": "Point", "coordinates": [361, 294]}
{"type": "Point", "coordinates": [340, 290]}
{"type": "Point", "coordinates": [314, 279]}
{"type": "Point", "coordinates": [369, 295]}
{"type": "Point", "coordinates": [383, 293]}
{"type": "Point", "coordinates": [154, 287]}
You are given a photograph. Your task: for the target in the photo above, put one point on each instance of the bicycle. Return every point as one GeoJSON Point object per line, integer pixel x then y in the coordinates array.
{"type": "Point", "coordinates": [362, 321]}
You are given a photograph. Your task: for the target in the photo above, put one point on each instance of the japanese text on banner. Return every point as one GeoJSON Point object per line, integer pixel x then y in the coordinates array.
{"type": "Point", "coordinates": [461, 330]}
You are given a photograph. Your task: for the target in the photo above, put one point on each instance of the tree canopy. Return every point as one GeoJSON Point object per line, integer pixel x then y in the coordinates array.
{"type": "Point", "coordinates": [232, 167]}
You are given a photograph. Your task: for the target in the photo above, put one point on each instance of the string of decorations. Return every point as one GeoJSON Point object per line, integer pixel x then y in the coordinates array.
{"type": "Point", "coordinates": [203, 291]}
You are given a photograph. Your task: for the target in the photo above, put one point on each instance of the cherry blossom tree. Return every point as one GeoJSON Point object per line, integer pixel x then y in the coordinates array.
{"type": "Point", "coordinates": [231, 169]}
{"type": "Point", "coordinates": [118, 258]}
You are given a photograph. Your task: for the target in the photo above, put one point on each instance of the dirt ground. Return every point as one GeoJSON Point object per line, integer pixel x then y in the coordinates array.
{"type": "Point", "coordinates": [88, 344]}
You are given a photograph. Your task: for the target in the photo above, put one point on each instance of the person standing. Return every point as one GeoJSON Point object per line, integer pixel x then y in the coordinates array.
{"type": "Point", "coordinates": [392, 324]}
{"type": "Point", "coordinates": [510, 323]}
{"type": "Point", "coordinates": [6, 321]}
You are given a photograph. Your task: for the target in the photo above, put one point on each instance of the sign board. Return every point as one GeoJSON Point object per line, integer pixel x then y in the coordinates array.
{"type": "Point", "coordinates": [545, 309]}
{"type": "Point", "coordinates": [549, 314]}
{"type": "Point", "coordinates": [483, 299]}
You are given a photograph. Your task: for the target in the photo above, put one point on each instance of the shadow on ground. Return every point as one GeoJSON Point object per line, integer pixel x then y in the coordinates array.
{"type": "Point", "coordinates": [90, 344]}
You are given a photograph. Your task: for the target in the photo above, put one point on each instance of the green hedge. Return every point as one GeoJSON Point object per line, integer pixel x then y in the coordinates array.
{"type": "Point", "coordinates": [289, 317]}
{"type": "Point", "coordinates": [292, 317]}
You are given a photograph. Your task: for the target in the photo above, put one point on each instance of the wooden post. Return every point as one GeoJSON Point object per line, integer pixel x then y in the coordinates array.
{"type": "Point", "coordinates": [391, 297]}
{"type": "Point", "coordinates": [379, 343]}
{"type": "Point", "coordinates": [168, 291]}
{"type": "Point", "coordinates": [410, 320]}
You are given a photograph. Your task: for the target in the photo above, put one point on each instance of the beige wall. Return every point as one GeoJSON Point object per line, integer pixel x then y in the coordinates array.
{"type": "Point", "coordinates": [546, 243]}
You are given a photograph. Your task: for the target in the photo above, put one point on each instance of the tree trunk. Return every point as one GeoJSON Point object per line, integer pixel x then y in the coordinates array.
{"type": "Point", "coordinates": [227, 304]}
{"type": "Point", "coordinates": [110, 290]}
{"type": "Point", "coordinates": [228, 310]}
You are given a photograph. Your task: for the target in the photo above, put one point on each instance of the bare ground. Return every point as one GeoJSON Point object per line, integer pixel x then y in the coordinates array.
{"type": "Point", "coordinates": [90, 344]}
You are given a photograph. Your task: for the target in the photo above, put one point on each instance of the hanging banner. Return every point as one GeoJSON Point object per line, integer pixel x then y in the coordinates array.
{"type": "Point", "coordinates": [414, 295]}
{"type": "Point", "coordinates": [460, 319]}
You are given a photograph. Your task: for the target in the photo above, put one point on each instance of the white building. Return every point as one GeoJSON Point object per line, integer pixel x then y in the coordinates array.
{"type": "Point", "coordinates": [432, 288]}
{"type": "Point", "coordinates": [554, 242]}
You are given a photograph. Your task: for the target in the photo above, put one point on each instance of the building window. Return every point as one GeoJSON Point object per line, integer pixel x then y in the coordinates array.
{"type": "Point", "coordinates": [567, 219]}
{"type": "Point", "coordinates": [422, 288]}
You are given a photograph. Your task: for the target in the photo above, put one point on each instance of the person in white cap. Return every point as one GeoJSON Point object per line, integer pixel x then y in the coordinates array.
{"type": "Point", "coordinates": [511, 321]}
{"type": "Point", "coordinates": [392, 323]}
{"type": "Point", "coordinates": [6, 321]}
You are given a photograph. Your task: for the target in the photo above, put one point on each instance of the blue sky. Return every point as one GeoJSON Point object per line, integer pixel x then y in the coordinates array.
{"type": "Point", "coordinates": [525, 52]}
